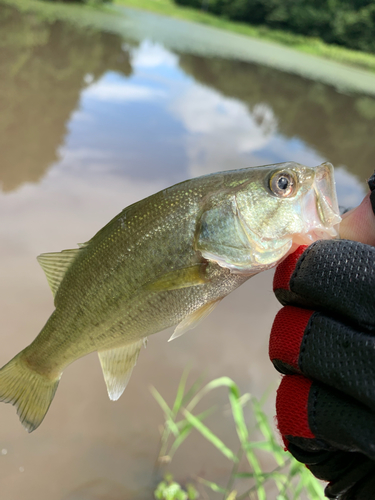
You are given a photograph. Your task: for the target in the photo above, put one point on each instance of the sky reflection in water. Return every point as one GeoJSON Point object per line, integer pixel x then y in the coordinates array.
{"type": "Point", "coordinates": [161, 125]}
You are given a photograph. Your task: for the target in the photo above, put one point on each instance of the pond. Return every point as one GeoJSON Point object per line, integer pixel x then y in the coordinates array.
{"type": "Point", "coordinates": [93, 119]}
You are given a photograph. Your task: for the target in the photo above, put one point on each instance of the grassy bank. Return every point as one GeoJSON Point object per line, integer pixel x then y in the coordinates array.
{"type": "Point", "coordinates": [245, 478]}
{"type": "Point", "coordinates": [306, 44]}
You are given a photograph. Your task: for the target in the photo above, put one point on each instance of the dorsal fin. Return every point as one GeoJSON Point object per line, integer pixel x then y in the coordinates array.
{"type": "Point", "coordinates": [83, 245]}
{"type": "Point", "coordinates": [117, 365]}
{"type": "Point", "coordinates": [55, 266]}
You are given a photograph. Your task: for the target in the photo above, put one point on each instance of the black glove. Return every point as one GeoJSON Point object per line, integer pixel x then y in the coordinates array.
{"type": "Point", "coordinates": [326, 347]}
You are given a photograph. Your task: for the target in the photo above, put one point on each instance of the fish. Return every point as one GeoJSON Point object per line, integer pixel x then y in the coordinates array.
{"type": "Point", "coordinates": [167, 260]}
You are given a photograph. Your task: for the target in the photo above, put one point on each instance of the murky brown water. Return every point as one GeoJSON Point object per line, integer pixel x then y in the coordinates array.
{"type": "Point", "coordinates": [91, 122]}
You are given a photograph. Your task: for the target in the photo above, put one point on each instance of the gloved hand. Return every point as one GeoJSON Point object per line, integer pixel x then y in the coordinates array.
{"type": "Point", "coordinates": [324, 341]}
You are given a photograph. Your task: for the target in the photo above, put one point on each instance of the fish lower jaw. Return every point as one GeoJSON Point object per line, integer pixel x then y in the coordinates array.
{"type": "Point", "coordinates": [322, 233]}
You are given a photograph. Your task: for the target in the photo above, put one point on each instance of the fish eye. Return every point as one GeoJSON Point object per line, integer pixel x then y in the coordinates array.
{"type": "Point", "coordinates": [282, 184]}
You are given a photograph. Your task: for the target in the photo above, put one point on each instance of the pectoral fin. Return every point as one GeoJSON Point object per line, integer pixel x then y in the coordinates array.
{"type": "Point", "coordinates": [193, 319]}
{"type": "Point", "coordinates": [117, 365]}
{"type": "Point", "coordinates": [179, 278]}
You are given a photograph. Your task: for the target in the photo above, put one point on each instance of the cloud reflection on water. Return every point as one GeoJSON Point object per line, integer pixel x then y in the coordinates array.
{"type": "Point", "coordinates": [120, 91]}
{"type": "Point", "coordinates": [152, 55]}
{"type": "Point", "coordinates": [221, 134]}
{"type": "Point", "coordinates": [160, 123]}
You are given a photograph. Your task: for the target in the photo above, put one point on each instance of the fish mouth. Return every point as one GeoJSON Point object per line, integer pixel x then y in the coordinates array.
{"type": "Point", "coordinates": [320, 209]}
{"type": "Point", "coordinates": [324, 233]}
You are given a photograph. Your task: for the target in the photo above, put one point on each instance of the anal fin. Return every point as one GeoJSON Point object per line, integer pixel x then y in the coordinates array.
{"type": "Point", "coordinates": [117, 365]}
{"type": "Point", "coordinates": [193, 319]}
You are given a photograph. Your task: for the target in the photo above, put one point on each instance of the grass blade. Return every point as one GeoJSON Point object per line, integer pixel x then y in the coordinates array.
{"type": "Point", "coordinates": [218, 382]}
{"type": "Point", "coordinates": [267, 432]}
{"type": "Point", "coordinates": [185, 430]}
{"type": "Point", "coordinates": [243, 435]}
{"type": "Point", "coordinates": [238, 415]}
{"type": "Point", "coordinates": [193, 390]}
{"type": "Point", "coordinates": [210, 436]}
{"type": "Point", "coordinates": [180, 393]}
{"type": "Point", "coordinates": [167, 411]}
{"type": "Point", "coordinates": [214, 487]}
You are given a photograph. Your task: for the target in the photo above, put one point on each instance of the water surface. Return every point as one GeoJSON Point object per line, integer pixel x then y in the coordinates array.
{"type": "Point", "coordinates": [91, 121]}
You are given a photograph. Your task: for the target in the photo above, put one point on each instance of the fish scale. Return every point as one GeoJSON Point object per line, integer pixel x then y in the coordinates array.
{"type": "Point", "coordinates": [164, 261]}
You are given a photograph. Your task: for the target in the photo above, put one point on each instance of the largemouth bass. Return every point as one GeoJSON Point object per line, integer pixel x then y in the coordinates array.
{"type": "Point", "coordinates": [164, 261]}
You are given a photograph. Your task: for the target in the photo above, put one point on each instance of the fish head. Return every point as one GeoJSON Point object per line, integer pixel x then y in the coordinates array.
{"type": "Point", "coordinates": [286, 205]}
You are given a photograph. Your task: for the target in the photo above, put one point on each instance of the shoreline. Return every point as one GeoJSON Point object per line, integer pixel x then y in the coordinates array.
{"type": "Point", "coordinates": [187, 36]}
{"type": "Point", "coordinates": [308, 45]}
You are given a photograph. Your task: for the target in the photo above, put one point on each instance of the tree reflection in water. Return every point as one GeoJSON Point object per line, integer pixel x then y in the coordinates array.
{"type": "Point", "coordinates": [43, 69]}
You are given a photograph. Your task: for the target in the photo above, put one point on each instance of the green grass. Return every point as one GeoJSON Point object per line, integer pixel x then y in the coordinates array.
{"type": "Point", "coordinates": [91, 14]}
{"type": "Point", "coordinates": [309, 45]}
{"type": "Point", "coordinates": [247, 479]}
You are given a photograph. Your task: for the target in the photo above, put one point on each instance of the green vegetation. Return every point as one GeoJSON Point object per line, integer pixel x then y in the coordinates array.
{"type": "Point", "coordinates": [170, 490]}
{"type": "Point", "coordinates": [90, 2]}
{"type": "Point", "coordinates": [343, 22]}
{"type": "Point", "coordinates": [309, 44]}
{"type": "Point", "coordinates": [246, 479]}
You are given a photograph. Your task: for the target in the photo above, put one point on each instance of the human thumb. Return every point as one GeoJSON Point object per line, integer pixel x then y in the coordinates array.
{"type": "Point", "coordinates": [359, 223]}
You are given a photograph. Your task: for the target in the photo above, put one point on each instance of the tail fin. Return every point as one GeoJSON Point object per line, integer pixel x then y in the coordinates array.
{"type": "Point", "coordinates": [30, 392]}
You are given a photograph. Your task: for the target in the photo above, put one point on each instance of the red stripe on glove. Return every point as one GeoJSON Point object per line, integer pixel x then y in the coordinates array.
{"type": "Point", "coordinates": [287, 333]}
{"type": "Point", "coordinates": [292, 406]}
{"type": "Point", "coordinates": [285, 270]}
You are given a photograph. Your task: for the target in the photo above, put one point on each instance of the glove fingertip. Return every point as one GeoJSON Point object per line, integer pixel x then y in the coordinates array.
{"type": "Point", "coordinates": [286, 337]}
{"type": "Point", "coordinates": [285, 270]}
{"type": "Point", "coordinates": [292, 406]}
